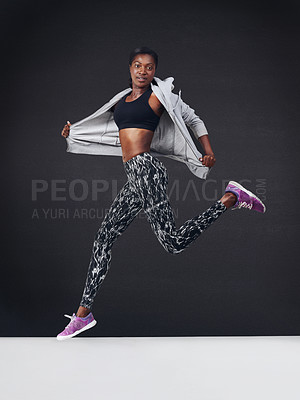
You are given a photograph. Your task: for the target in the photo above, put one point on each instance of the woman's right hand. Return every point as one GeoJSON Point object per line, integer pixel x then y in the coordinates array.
{"type": "Point", "coordinates": [65, 132]}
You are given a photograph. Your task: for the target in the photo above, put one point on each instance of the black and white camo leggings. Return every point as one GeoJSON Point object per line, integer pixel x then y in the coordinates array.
{"type": "Point", "coordinates": [145, 189]}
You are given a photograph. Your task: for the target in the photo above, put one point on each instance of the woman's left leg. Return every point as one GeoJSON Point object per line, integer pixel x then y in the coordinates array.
{"type": "Point", "coordinates": [150, 178]}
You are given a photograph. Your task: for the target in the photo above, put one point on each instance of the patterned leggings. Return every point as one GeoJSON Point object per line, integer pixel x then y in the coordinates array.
{"type": "Point", "coordinates": [145, 189]}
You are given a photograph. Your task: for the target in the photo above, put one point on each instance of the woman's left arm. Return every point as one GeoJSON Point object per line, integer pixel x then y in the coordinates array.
{"type": "Point", "coordinates": [197, 126]}
{"type": "Point", "coordinates": [209, 158]}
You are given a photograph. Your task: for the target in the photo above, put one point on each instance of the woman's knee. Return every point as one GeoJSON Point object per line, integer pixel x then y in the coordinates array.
{"type": "Point", "coordinates": [172, 248]}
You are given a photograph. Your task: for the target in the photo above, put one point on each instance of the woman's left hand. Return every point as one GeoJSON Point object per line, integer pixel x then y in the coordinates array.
{"type": "Point", "coordinates": [208, 160]}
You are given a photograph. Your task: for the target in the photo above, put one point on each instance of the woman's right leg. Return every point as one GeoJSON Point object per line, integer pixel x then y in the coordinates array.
{"type": "Point", "coordinates": [123, 210]}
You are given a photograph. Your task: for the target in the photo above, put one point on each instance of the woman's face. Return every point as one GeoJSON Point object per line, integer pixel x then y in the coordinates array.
{"type": "Point", "coordinates": [142, 70]}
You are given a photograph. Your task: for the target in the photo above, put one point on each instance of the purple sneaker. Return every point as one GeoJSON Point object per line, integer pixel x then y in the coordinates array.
{"type": "Point", "coordinates": [76, 326]}
{"type": "Point", "coordinates": [245, 198]}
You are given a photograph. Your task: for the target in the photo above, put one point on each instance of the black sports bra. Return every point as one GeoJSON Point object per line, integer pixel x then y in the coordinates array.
{"type": "Point", "coordinates": [136, 113]}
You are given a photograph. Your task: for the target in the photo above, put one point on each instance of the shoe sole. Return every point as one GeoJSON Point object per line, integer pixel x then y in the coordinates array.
{"type": "Point", "coordinates": [248, 192]}
{"type": "Point", "coordinates": [85, 328]}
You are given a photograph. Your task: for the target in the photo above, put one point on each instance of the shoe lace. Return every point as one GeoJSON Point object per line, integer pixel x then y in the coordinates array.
{"type": "Point", "coordinates": [244, 204]}
{"type": "Point", "coordinates": [72, 318]}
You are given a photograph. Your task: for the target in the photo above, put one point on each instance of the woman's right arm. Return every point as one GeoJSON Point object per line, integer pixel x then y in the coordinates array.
{"type": "Point", "coordinates": [65, 132]}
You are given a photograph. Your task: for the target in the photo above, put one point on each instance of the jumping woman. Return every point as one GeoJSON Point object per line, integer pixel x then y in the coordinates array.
{"type": "Point", "coordinates": [141, 122]}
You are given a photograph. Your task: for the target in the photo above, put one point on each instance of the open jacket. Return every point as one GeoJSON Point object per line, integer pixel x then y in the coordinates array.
{"type": "Point", "coordinates": [98, 133]}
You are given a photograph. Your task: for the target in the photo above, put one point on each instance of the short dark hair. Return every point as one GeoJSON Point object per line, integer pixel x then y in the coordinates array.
{"type": "Point", "coordinates": [143, 50]}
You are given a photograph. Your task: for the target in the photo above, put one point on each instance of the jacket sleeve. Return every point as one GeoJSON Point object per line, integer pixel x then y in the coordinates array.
{"type": "Point", "coordinates": [192, 120]}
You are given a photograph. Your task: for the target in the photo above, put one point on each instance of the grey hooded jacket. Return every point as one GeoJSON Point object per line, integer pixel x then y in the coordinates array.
{"type": "Point", "coordinates": [98, 133]}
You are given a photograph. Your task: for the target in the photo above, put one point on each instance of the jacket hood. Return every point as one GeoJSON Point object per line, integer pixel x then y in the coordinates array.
{"type": "Point", "coordinates": [167, 83]}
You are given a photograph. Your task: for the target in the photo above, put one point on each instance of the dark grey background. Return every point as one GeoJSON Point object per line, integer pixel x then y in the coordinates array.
{"type": "Point", "coordinates": [237, 64]}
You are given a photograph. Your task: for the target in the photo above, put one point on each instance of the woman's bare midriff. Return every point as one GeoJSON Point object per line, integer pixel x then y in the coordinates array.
{"type": "Point", "coordinates": [134, 141]}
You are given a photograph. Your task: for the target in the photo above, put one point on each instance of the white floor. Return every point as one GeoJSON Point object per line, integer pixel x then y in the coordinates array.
{"type": "Point", "coordinates": [206, 368]}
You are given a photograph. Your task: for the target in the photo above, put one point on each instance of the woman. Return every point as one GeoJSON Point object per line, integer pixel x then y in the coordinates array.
{"type": "Point", "coordinates": [147, 118]}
